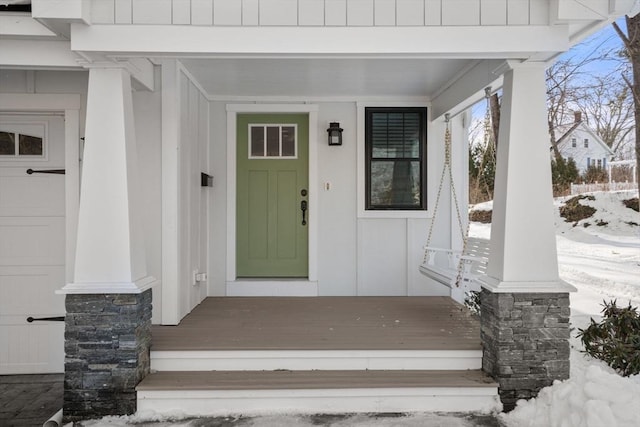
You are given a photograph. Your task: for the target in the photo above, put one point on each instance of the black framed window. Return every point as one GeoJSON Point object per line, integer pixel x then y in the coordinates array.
{"type": "Point", "coordinates": [396, 140]}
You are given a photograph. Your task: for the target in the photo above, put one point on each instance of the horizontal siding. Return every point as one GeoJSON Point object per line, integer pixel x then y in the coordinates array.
{"type": "Point", "coordinates": [321, 12]}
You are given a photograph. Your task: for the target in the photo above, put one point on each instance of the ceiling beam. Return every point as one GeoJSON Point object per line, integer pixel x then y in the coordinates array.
{"type": "Point", "coordinates": [36, 54]}
{"type": "Point", "coordinates": [468, 88]}
{"type": "Point", "coordinates": [446, 42]}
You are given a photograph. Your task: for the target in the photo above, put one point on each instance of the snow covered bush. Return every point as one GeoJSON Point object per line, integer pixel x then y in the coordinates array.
{"type": "Point", "coordinates": [472, 302]}
{"type": "Point", "coordinates": [616, 339]}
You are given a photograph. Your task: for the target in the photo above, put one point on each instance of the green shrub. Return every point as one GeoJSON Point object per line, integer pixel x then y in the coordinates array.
{"type": "Point", "coordinates": [563, 173]}
{"type": "Point", "coordinates": [616, 339]}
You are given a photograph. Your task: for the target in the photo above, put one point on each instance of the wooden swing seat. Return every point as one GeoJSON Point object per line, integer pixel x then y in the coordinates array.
{"type": "Point", "coordinates": [474, 264]}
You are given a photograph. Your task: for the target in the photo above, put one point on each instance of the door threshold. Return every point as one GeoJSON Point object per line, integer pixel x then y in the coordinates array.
{"type": "Point", "coordinates": [268, 287]}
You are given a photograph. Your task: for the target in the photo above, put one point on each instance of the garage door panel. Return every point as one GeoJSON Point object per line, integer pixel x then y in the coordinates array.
{"type": "Point", "coordinates": [32, 348]}
{"type": "Point", "coordinates": [30, 291]}
{"type": "Point", "coordinates": [32, 248]}
{"type": "Point", "coordinates": [32, 241]}
{"type": "Point", "coordinates": [30, 195]}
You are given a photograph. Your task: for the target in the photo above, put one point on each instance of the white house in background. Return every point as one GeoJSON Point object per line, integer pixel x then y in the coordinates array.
{"type": "Point", "coordinates": [579, 142]}
{"type": "Point", "coordinates": [143, 101]}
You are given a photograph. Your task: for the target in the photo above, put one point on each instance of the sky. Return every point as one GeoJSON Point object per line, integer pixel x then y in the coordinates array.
{"type": "Point", "coordinates": [604, 40]}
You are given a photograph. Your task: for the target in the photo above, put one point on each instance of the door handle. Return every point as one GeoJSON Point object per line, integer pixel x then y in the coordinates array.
{"type": "Point", "coordinates": [52, 171]}
{"type": "Point", "coordinates": [303, 208]}
{"type": "Point", "coordinates": [46, 319]}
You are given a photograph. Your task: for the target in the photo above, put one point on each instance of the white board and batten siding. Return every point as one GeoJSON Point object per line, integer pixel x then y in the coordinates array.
{"type": "Point", "coordinates": [32, 252]}
{"type": "Point", "coordinates": [321, 12]}
{"type": "Point", "coordinates": [185, 139]}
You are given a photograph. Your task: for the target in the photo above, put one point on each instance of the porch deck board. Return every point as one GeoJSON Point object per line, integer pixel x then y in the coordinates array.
{"type": "Point", "coordinates": [275, 380]}
{"type": "Point", "coordinates": [322, 323]}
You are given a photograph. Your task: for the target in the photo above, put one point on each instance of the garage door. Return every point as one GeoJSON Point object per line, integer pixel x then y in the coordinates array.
{"type": "Point", "coordinates": [32, 243]}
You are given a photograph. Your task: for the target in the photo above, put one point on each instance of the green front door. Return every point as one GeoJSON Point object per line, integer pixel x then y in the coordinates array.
{"type": "Point", "coordinates": [272, 156]}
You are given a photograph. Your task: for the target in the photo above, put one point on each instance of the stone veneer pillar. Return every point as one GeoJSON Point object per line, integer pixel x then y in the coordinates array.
{"type": "Point", "coordinates": [524, 304]}
{"type": "Point", "coordinates": [108, 303]}
{"type": "Point", "coordinates": [107, 341]}
{"type": "Point", "coordinates": [525, 340]}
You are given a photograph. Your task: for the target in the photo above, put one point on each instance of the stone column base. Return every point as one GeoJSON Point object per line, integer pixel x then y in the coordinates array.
{"type": "Point", "coordinates": [525, 338]}
{"type": "Point", "coordinates": [107, 341]}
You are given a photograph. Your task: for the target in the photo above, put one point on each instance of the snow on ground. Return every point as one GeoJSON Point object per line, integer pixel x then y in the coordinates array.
{"type": "Point", "coordinates": [357, 420]}
{"type": "Point", "coordinates": [603, 263]}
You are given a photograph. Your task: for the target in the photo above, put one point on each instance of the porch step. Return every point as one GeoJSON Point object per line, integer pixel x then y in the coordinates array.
{"type": "Point", "coordinates": [217, 393]}
{"type": "Point", "coordinates": [267, 360]}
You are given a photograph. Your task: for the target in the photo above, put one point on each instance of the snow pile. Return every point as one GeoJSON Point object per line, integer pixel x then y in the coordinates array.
{"type": "Point", "coordinates": [611, 217]}
{"type": "Point", "coordinates": [349, 420]}
{"type": "Point", "coordinates": [594, 396]}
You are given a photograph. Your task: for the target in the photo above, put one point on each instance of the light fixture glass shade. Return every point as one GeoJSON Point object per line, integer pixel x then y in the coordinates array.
{"type": "Point", "coordinates": [335, 133]}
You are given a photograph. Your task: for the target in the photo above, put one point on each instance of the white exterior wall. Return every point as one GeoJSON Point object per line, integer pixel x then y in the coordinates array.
{"type": "Point", "coordinates": [185, 205]}
{"type": "Point", "coordinates": [358, 253]}
{"type": "Point", "coordinates": [193, 199]}
{"type": "Point", "coordinates": [321, 12]}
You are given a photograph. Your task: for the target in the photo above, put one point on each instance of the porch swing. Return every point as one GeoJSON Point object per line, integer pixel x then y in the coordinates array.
{"type": "Point", "coordinates": [460, 268]}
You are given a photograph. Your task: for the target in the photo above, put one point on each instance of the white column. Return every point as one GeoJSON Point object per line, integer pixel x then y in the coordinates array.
{"type": "Point", "coordinates": [110, 255]}
{"type": "Point", "coordinates": [523, 241]}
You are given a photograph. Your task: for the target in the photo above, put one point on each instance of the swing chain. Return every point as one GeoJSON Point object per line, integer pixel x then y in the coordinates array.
{"type": "Point", "coordinates": [487, 141]}
{"type": "Point", "coordinates": [447, 161]}
{"type": "Point", "coordinates": [446, 169]}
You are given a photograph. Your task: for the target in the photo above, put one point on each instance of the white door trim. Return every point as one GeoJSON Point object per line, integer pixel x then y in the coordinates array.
{"type": "Point", "coordinates": [232, 112]}
{"type": "Point", "coordinates": [69, 104]}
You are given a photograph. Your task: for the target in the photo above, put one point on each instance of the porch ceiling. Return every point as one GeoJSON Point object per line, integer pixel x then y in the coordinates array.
{"type": "Point", "coordinates": [325, 77]}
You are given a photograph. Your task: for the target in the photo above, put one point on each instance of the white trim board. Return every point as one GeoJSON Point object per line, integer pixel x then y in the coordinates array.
{"type": "Point", "coordinates": [232, 112]}
{"type": "Point", "coordinates": [313, 401]}
{"type": "Point", "coordinates": [272, 288]}
{"type": "Point", "coordinates": [337, 360]}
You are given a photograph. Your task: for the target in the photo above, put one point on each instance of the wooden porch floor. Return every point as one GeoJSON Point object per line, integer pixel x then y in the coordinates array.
{"type": "Point", "coordinates": [322, 323]}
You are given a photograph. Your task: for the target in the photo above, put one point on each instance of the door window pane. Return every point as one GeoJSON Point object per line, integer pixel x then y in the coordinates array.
{"type": "Point", "coordinates": [257, 141]}
{"type": "Point", "coordinates": [30, 145]}
{"type": "Point", "coordinates": [273, 141]}
{"type": "Point", "coordinates": [288, 141]}
{"type": "Point", "coordinates": [7, 143]}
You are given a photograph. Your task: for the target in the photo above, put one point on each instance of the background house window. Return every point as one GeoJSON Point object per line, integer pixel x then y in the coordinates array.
{"type": "Point", "coordinates": [574, 143]}
{"type": "Point", "coordinates": [599, 163]}
{"type": "Point", "coordinates": [586, 143]}
{"type": "Point", "coordinates": [395, 140]}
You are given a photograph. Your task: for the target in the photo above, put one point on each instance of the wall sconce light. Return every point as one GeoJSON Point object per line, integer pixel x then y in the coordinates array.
{"type": "Point", "coordinates": [335, 133]}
